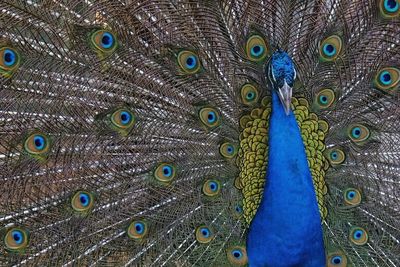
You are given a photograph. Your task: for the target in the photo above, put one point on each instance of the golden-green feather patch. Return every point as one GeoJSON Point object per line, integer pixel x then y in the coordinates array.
{"type": "Point", "coordinates": [253, 153]}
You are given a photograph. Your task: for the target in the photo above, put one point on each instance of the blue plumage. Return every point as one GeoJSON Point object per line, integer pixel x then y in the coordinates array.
{"type": "Point", "coordinates": [286, 230]}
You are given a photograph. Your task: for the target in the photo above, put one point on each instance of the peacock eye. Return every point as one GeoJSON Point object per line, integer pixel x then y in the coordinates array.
{"type": "Point", "coordinates": [387, 78]}
{"type": "Point", "coordinates": [165, 172]}
{"type": "Point", "coordinates": [228, 150]}
{"type": "Point", "coordinates": [256, 48]}
{"type": "Point", "coordinates": [9, 60]}
{"type": "Point", "coordinates": [209, 117]}
{"type": "Point", "coordinates": [249, 94]}
{"type": "Point", "coordinates": [137, 230]}
{"type": "Point", "coordinates": [82, 201]}
{"type": "Point", "coordinates": [389, 8]}
{"type": "Point", "coordinates": [188, 62]}
{"type": "Point", "coordinates": [325, 98]}
{"type": "Point", "coordinates": [352, 197]}
{"type": "Point", "coordinates": [36, 144]}
{"type": "Point", "coordinates": [336, 156]}
{"type": "Point", "coordinates": [358, 133]}
{"type": "Point", "coordinates": [358, 236]}
{"type": "Point", "coordinates": [123, 118]}
{"type": "Point", "coordinates": [337, 259]}
{"type": "Point", "coordinates": [330, 48]}
{"type": "Point", "coordinates": [16, 238]}
{"type": "Point", "coordinates": [204, 234]}
{"type": "Point", "coordinates": [239, 209]}
{"type": "Point", "coordinates": [237, 255]}
{"type": "Point", "coordinates": [104, 41]}
{"type": "Point", "coordinates": [211, 188]}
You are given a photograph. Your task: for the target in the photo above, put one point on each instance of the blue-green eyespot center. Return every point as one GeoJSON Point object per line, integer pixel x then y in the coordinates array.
{"type": "Point", "coordinates": [139, 227]}
{"type": "Point", "coordinates": [329, 50]}
{"type": "Point", "coordinates": [351, 194]}
{"type": "Point", "coordinates": [191, 62]}
{"type": "Point", "coordinates": [9, 57]}
{"type": "Point", "coordinates": [211, 117]}
{"type": "Point", "coordinates": [107, 40]}
{"type": "Point", "coordinates": [257, 50]}
{"type": "Point", "coordinates": [167, 171]}
{"type": "Point", "coordinates": [336, 260]}
{"type": "Point", "coordinates": [358, 234]}
{"type": "Point", "coordinates": [237, 254]}
{"type": "Point", "coordinates": [84, 199]}
{"type": "Point", "coordinates": [250, 95]}
{"type": "Point", "coordinates": [356, 132]}
{"type": "Point", "coordinates": [391, 6]}
{"type": "Point", "coordinates": [205, 232]}
{"type": "Point", "coordinates": [126, 117]}
{"type": "Point", "coordinates": [238, 209]}
{"type": "Point", "coordinates": [39, 142]}
{"type": "Point", "coordinates": [18, 236]}
{"type": "Point", "coordinates": [385, 78]}
{"type": "Point", "coordinates": [323, 99]}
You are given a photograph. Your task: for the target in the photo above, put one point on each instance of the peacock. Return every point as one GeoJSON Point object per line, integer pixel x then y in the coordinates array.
{"type": "Point", "coordinates": [200, 133]}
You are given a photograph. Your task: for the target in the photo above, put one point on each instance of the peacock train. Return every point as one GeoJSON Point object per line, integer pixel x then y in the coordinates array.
{"type": "Point", "coordinates": [200, 133]}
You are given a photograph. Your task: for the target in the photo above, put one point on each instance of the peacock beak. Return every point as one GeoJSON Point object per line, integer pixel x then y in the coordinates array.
{"type": "Point", "coordinates": [285, 95]}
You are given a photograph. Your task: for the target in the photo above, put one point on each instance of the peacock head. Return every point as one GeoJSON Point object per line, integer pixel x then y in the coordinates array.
{"type": "Point", "coordinates": [281, 74]}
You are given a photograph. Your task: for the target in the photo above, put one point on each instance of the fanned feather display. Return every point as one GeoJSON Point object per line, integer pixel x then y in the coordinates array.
{"type": "Point", "coordinates": [135, 133]}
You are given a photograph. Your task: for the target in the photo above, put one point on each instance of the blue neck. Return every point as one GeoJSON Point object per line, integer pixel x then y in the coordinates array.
{"type": "Point", "coordinates": [286, 230]}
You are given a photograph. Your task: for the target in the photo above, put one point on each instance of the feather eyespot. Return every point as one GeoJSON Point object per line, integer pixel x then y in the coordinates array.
{"type": "Point", "coordinates": [165, 172]}
{"type": "Point", "coordinates": [9, 60]}
{"type": "Point", "coordinates": [336, 259]}
{"type": "Point", "coordinates": [358, 133]}
{"type": "Point", "coordinates": [123, 118]}
{"type": "Point", "coordinates": [237, 210]}
{"type": "Point", "coordinates": [189, 62]}
{"type": "Point", "coordinates": [204, 234]}
{"type": "Point", "coordinates": [210, 117]}
{"type": "Point", "coordinates": [336, 156]}
{"type": "Point", "coordinates": [228, 150]}
{"type": "Point", "coordinates": [387, 78]}
{"type": "Point", "coordinates": [325, 98]}
{"type": "Point", "coordinates": [16, 238]}
{"type": "Point", "coordinates": [37, 144]}
{"type": "Point", "coordinates": [256, 48]}
{"type": "Point", "coordinates": [104, 41]}
{"type": "Point", "coordinates": [249, 94]}
{"type": "Point", "coordinates": [330, 48]}
{"type": "Point", "coordinates": [352, 197]}
{"type": "Point", "coordinates": [137, 230]}
{"type": "Point", "coordinates": [358, 236]}
{"type": "Point", "coordinates": [389, 8]}
{"type": "Point", "coordinates": [82, 201]}
{"type": "Point", "coordinates": [211, 188]}
{"type": "Point", "coordinates": [237, 255]}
